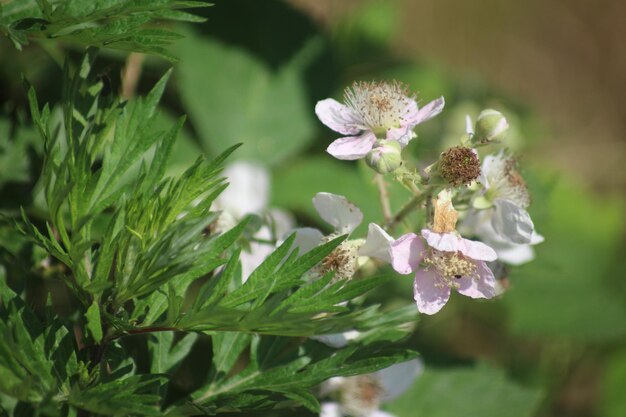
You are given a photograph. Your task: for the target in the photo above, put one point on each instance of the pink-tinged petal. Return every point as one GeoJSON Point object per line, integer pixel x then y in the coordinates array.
{"type": "Point", "coordinates": [446, 242]}
{"type": "Point", "coordinates": [378, 244]}
{"type": "Point", "coordinates": [429, 296]}
{"type": "Point", "coordinates": [406, 253]}
{"type": "Point", "coordinates": [398, 378]}
{"type": "Point", "coordinates": [352, 147]}
{"type": "Point", "coordinates": [477, 250]}
{"type": "Point", "coordinates": [337, 211]}
{"type": "Point", "coordinates": [482, 287]}
{"type": "Point", "coordinates": [330, 410]}
{"type": "Point", "coordinates": [402, 135]}
{"type": "Point", "coordinates": [512, 222]}
{"type": "Point", "coordinates": [337, 116]}
{"type": "Point", "coordinates": [429, 111]}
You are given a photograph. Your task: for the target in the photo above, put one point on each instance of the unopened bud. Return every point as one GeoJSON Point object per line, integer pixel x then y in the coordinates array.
{"type": "Point", "coordinates": [490, 125]}
{"type": "Point", "coordinates": [459, 166]}
{"type": "Point", "coordinates": [385, 157]}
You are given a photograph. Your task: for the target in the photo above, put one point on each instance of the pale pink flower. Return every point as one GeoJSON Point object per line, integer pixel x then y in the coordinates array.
{"type": "Point", "coordinates": [446, 262]}
{"type": "Point", "coordinates": [373, 110]}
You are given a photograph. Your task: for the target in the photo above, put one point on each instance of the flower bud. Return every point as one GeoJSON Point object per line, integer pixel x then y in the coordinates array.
{"type": "Point", "coordinates": [490, 125]}
{"type": "Point", "coordinates": [385, 156]}
{"type": "Point", "coordinates": [459, 165]}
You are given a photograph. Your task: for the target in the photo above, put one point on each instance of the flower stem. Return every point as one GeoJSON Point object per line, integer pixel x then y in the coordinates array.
{"type": "Point", "coordinates": [383, 194]}
{"type": "Point", "coordinates": [415, 202]}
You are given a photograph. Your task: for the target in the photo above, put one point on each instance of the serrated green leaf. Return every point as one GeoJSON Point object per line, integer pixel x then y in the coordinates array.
{"type": "Point", "coordinates": [94, 323]}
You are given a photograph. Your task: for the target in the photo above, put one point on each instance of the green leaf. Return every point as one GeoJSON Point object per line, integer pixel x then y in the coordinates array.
{"type": "Point", "coordinates": [94, 324]}
{"type": "Point", "coordinates": [232, 98]}
{"type": "Point", "coordinates": [168, 353]}
{"type": "Point", "coordinates": [477, 392]}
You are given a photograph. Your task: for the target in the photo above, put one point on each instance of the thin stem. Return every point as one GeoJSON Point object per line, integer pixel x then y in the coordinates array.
{"type": "Point", "coordinates": [139, 331]}
{"type": "Point", "coordinates": [406, 210]}
{"type": "Point", "coordinates": [383, 194]}
{"type": "Point", "coordinates": [131, 74]}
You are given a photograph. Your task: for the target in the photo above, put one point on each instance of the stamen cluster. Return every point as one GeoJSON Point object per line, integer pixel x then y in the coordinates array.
{"type": "Point", "coordinates": [380, 105]}
{"type": "Point", "coordinates": [507, 181]}
{"type": "Point", "coordinates": [459, 166]}
{"type": "Point", "coordinates": [450, 266]}
{"type": "Point", "coordinates": [360, 395]}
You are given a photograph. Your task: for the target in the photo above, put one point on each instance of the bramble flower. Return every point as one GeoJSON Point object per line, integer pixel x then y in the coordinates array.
{"type": "Point", "coordinates": [248, 193]}
{"type": "Point", "coordinates": [446, 262]}
{"type": "Point", "coordinates": [344, 216]}
{"type": "Point", "coordinates": [479, 224]}
{"type": "Point", "coordinates": [506, 198]}
{"type": "Point", "coordinates": [373, 110]}
{"type": "Point", "coordinates": [362, 395]}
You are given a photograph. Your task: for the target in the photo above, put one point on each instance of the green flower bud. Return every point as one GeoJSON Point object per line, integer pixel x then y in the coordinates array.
{"type": "Point", "coordinates": [385, 156]}
{"type": "Point", "coordinates": [490, 125]}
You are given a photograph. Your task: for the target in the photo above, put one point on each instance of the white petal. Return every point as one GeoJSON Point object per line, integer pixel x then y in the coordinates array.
{"type": "Point", "coordinates": [248, 189]}
{"type": "Point", "coordinates": [536, 238]}
{"type": "Point", "coordinates": [512, 222]}
{"type": "Point", "coordinates": [337, 340]}
{"type": "Point", "coordinates": [430, 298]}
{"type": "Point", "coordinates": [251, 259]}
{"type": "Point", "coordinates": [477, 250]}
{"type": "Point", "coordinates": [406, 253]}
{"type": "Point", "coordinates": [380, 413]}
{"type": "Point", "coordinates": [281, 220]}
{"type": "Point", "coordinates": [337, 116]}
{"type": "Point", "coordinates": [378, 243]}
{"type": "Point", "coordinates": [330, 410]}
{"type": "Point", "coordinates": [398, 378]}
{"type": "Point", "coordinates": [483, 287]}
{"type": "Point", "coordinates": [469, 126]}
{"type": "Point", "coordinates": [352, 147]}
{"type": "Point", "coordinates": [337, 211]}
{"type": "Point", "coordinates": [307, 238]}
{"type": "Point", "coordinates": [447, 242]}
{"type": "Point", "coordinates": [515, 254]}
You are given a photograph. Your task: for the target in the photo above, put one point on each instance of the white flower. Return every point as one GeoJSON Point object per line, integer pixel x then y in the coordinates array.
{"type": "Point", "coordinates": [248, 193]}
{"type": "Point", "coordinates": [362, 395]}
{"type": "Point", "coordinates": [344, 216]}
{"type": "Point", "coordinates": [478, 223]}
{"type": "Point", "coordinates": [373, 110]}
{"type": "Point", "coordinates": [505, 198]}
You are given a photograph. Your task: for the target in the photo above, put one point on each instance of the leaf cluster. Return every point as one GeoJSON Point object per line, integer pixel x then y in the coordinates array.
{"type": "Point", "coordinates": [127, 25]}
{"type": "Point", "coordinates": [147, 271]}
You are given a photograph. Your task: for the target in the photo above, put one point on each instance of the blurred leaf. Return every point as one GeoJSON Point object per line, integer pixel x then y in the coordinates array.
{"type": "Point", "coordinates": [567, 290]}
{"type": "Point", "coordinates": [477, 392]}
{"type": "Point", "coordinates": [94, 325]}
{"type": "Point", "coordinates": [613, 403]}
{"type": "Point", "coordinates": [232, 98]}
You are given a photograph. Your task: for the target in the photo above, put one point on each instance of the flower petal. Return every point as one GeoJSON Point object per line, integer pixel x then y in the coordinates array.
{"type": "Point", "coordinates": [330, 410]}
{"type": "Point", "coordinates": [352, 147]}
{"type": "Point", "coordinates": [429, 111]}
{"type": "Point", "coordinates": [398, 378]}
{"type": "Point", "coordinates": [378, 244]}
{"type": "Point", "coordinates": [513, 254]}
{"type": "Point", "coordinates": [337, 211]}
{"type": "Point", "coordinates": [248, 189]}
{"type": "Point", "coordinates": [380, 413]}
{"type": "Point", "coordinates": [483, 287]}
{"type": "Point", "coordinates": [307, 238]}
{"type": "Point", "coordinates": [407, 253]}
{"type": "Point", "coordinates": [430, 298]}
{"type": "Point", "coordinates": [251, 259]}
{"type": "Point", "coordinates": [337, 340]}
{"type": "Point", "coordinates": [477, 250]}
{"type": "Point", "coordinates": [512, 222]}
{"type": "Point", "coordinates": [338, 117]}
{"type": "Point", "coordinates": [447, 242]}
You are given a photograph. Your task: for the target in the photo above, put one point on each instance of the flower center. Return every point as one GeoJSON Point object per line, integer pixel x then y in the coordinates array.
{"type": "Point", "coordinates": [360, 395]}
{"type": "Point", "coordinates": [459, 166]}
{"type": "Point", "coordinates": [381, 106]}
{"type": "Point", "coordinates": [450, 266]}
{"type": "Point", "coordinates": [342, 261]}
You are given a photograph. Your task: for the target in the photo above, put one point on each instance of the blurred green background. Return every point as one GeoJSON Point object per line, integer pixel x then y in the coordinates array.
{"type": "Point", "coordinates": [554, 344]}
